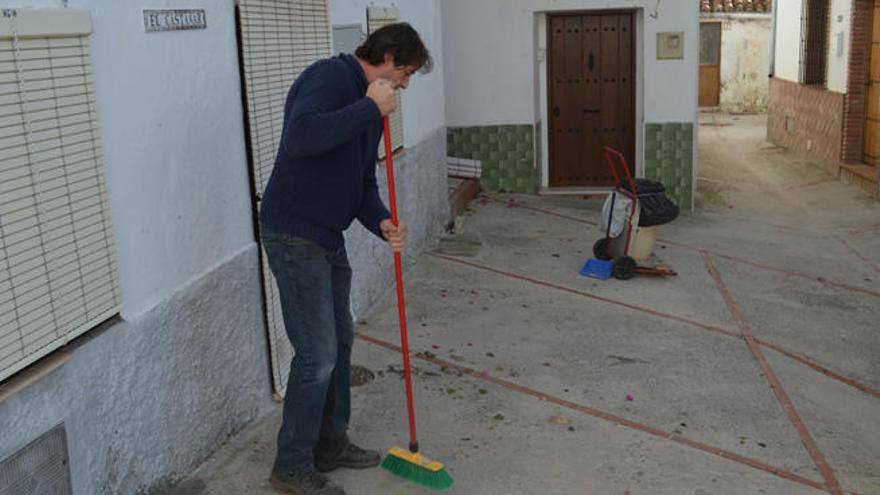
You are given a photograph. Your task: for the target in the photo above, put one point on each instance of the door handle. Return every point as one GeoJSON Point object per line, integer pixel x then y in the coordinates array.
{"type": "Point", "coordinates": [590, 62]}
{"type": "Point", "coordinates": [556, 111]}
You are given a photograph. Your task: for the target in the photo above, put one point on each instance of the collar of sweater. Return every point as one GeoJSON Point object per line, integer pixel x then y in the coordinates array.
{"type": "Point", "coordinates": [353, 64]}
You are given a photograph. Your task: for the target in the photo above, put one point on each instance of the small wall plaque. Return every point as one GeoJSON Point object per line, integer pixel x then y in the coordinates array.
{"type": "Point", "coordinates": [670, 46]}
{"type": "Point", "coordinates": [174, 20]}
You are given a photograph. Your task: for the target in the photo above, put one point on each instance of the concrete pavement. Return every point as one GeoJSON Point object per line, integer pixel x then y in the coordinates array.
{"type": "Point", "coordinates": [755, 371]}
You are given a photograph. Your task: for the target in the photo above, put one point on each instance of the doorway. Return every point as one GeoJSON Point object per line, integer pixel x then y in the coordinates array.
{"type": "Point", "coordinates": [591, 95]}
{"type": "Point", "coordinates": [710, 64]}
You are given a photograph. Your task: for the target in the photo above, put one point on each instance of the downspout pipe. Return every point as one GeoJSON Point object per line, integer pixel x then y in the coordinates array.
{"type": "Point", "coordinates": [772, 68]}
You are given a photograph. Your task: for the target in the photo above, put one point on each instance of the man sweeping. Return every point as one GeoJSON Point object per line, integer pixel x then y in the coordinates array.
{"type": "Point", "coordinates": [324, 178]}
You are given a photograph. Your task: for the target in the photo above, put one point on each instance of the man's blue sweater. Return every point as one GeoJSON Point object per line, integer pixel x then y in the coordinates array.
{"type": "Point", "coordinates": [325, 171]}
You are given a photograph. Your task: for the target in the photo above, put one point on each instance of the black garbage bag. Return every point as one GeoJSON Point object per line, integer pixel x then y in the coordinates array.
{"type": "Point", "coordinates": [656, 208]}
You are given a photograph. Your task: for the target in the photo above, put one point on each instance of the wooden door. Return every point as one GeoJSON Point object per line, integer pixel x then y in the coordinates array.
{"type": "Point", "coordinates": [710, 64]}
{"type": "Point", "coordinates": [591, 72]}
{"type": "Point", "coordinates": [872, 123]}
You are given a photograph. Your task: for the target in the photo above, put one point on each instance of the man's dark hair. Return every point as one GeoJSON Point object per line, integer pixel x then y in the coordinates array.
{"type": "Point", "coordinates": [400, 41]}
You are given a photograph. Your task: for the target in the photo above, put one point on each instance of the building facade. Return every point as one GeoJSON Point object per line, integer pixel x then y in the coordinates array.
{"type": "Point", "coordinates": [555, 81]}
{"type": "Point", "coordinates": [824, 98]}
{"type": "Point", "coordinates": [136, 317]}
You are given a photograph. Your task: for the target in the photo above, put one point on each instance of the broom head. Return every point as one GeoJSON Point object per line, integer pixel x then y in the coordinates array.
{"type": "Point", "coordinates": [416, 467]}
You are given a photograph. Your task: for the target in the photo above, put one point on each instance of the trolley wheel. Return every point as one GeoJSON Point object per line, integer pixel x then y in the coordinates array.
{"type": "Point", "coordinates": [624, 268]}
{"type": "Point", "coordinates": [602, 249]}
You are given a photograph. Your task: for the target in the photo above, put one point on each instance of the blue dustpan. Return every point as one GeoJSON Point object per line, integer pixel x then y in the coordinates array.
{"type": "Point", "coordinates": [594, 268]}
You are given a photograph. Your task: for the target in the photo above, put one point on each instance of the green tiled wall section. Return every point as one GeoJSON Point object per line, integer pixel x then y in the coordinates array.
{"type": "Point", "coordinates": [669, 159]}
{"type": "Point", "coordinates": [506, 153]}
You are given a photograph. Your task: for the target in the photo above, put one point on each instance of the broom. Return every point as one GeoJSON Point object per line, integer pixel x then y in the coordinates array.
{"type": "Point", "coordinates": [408, 464]}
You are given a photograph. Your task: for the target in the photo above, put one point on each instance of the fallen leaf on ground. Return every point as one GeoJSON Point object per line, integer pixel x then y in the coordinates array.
{"type": "Point", "coordinates": [559, 420]}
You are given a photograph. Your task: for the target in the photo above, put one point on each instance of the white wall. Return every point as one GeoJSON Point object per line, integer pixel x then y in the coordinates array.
{"type": "Point", "coordinates": [745, 59]}
{"type": "Point", "coordinates": [490, 49]}
{"type": "Point", "coordinates": [170, 112]}
{"type": "Point", "coordinates": [840, 23]}
{"type": "Point", "coordinates": [423, 107]}
{"type": "Point", "coordinates": [788, 40]}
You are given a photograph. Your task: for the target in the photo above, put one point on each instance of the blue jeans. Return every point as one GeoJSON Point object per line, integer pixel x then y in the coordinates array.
{"type": "Point", "coordinates": [315, 285]}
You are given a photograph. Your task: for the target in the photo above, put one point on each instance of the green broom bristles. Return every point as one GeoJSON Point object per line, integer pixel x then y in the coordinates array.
{"type": "Point", "coordinates": [438, 480]}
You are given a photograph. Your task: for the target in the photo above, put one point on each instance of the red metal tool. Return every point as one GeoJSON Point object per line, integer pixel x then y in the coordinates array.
{"type": "Point", "coordinates": [624, 266]}
{"type": "Point", "coordinates": [398, 274]}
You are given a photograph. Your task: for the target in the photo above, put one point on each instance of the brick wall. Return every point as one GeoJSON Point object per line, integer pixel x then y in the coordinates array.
{"type": "Point", "coordinates": [806, 119]}
{"type": "Point", "coordinates": [854, 106]}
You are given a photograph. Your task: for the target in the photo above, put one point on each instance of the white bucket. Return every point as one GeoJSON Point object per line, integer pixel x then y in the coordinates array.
{"type": "Point", "coordinates": [643, 247]}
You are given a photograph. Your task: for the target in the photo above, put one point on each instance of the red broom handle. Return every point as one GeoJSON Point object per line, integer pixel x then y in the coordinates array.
{"type": "Point", "coordinates": [401, 308]}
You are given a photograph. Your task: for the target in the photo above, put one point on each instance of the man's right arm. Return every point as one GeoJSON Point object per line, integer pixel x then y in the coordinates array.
{"type": "Point", "coordinates": [316, 124]}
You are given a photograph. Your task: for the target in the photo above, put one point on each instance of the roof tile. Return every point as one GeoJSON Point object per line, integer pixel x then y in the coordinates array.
{"type": "Point", "coordinates": [759, 6]}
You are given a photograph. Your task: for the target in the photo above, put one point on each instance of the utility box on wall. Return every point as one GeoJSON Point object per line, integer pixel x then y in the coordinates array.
{"type": "Point", "coordinates": [670, 45]}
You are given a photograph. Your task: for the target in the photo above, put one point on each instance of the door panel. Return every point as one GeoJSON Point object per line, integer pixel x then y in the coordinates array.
{"type": "Point", "coordinates": [591, 113]}
{"type": "Point", "coordinates": [610, 92]}
{"type": "Point", "coordinates": [626, 83]}
{"type": "Point", "coordinates": [710, 85]}
{"type": "Point", "coordinates": [591, 96]}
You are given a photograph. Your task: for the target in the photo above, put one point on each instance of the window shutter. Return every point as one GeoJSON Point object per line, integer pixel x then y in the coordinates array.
{"type": "Point", "coordinates": [378, 17]}
{"type": "Point", "coordinates": [279, 39]}
{"type": "Point", "coordinates": [57, 255]}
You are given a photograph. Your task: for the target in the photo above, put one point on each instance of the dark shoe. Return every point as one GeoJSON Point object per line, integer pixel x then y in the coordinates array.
{"type": "Point", "coordinates": [351, 456]}
{"type": "Point", "coordinates": [303, 483]}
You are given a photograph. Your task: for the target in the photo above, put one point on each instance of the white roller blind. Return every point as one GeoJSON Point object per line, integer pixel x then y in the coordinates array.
{"type": "Point", "coordinates": [57, 255]}
{"type": "Point", "coordinates": [279, 39]}
{"type": "Point", "coordinates": [378, 17]}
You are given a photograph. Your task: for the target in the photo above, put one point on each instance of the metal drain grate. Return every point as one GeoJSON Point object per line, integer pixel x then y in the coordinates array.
{"type": "Point", "coordinates": [40, 468]}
